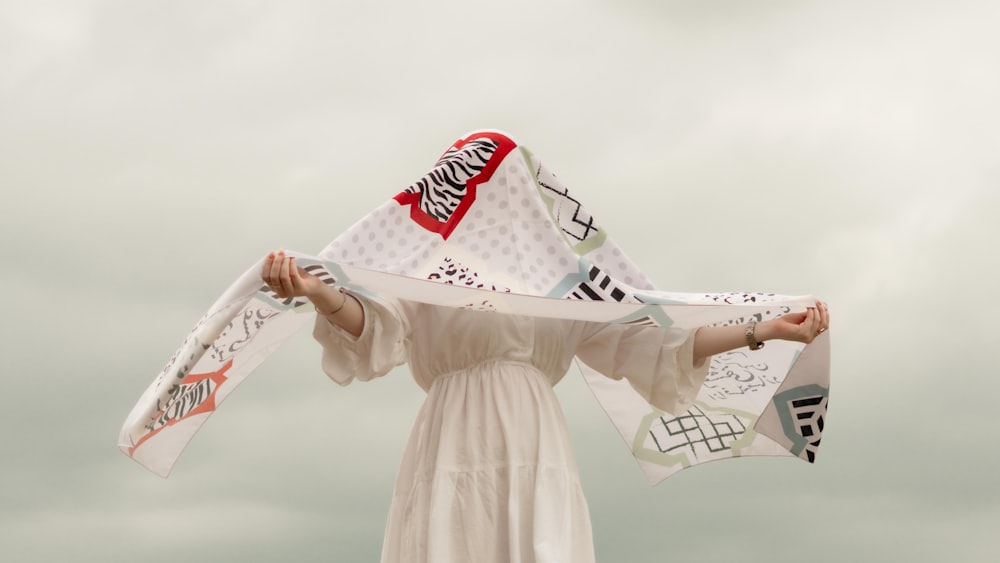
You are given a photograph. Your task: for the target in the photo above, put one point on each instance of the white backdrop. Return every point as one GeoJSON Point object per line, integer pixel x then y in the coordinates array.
{"type": "Point", "coordinates": [843, 149]}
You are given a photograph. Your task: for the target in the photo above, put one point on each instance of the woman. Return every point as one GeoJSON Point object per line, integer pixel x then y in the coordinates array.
{"type": "Point", "coordinates": [488, 474]}
{"type": "Point", "coordinates": [488, 277]}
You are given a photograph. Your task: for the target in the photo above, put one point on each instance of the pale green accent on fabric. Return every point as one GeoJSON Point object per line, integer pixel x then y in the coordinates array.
{"type": "Point", "coordinates": [592, 243]}
{"type": "Point", "coordinates": [683, 459]}
{"type": "Point", "coordinates": [781, 401]}
{"type": "Point", "coordinates": [745, 441]}
{"type": "Point", "coordinates": [583, 247]}
{"type": "Point", "coordinates": [653, 456]}
{"type": "Point", "coordinates": [572, 280]}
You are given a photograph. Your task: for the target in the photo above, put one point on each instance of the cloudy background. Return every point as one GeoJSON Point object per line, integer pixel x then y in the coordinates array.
{"type": "Point", "coordinates": [151, 151]}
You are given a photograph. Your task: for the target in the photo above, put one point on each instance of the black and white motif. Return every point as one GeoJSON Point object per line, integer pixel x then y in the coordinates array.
{"type": "Point", "coordinates": [442, 189]}
{"type": "Point", "coordinates": [453, 272]}
{"type": "Point", "coordinates": [569, 213]}
{"type": "Point", "coordinates": [697, 432]}
{"type": "Point", "coordinates": [320, 272]}
{"type": "Point", "coordinates": [598, 287]}
{"type": "Point", "coordinates": [738, 372]}
{"type": "Point", "coordinates": [735, 298]}
{"type": "Point", "coordinates": [185, 399]}
{"type": "Point", "coordinates": [807, 414]}
{"type": "Point", "coordinates": [740, 297]}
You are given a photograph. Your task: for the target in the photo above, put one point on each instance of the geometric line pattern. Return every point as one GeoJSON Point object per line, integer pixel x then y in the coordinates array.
{"type": "Point", "coordinates": [573, 219]}
{"type": "Point", "coordinates": [576, 225]}
{"type": "Point", "coordinates": [697, 432]}
{"type": "Point", "coordinates": [802, 411]}
{"type": "Point", "coordinates": [597, 287]}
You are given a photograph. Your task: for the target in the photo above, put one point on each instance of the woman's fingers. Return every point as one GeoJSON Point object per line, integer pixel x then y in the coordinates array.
{"type": "Point", "coordinates": [273, 277]}
{"type": "Point", "coordinates": [810, 325]}
{"type": "Point", "coordinates": [824, 312]}
{"type": "Point", "coordinates": [265, 271]}
{"type": "Point", "coordinates": [294, 275]}
{"type": "Point", "coordinates": [820, 320]}
{"type": "Point", "coordinates": [283, 276]}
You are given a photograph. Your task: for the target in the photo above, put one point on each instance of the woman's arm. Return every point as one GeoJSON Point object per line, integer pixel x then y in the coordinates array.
{"type": "Point", "coordinates": [288, 280]}
{"type": "Point", "coordinates": [800, 327]}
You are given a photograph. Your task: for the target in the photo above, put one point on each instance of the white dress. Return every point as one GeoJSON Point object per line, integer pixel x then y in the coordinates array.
{"type": "Point", "coordinates": [488, 475]}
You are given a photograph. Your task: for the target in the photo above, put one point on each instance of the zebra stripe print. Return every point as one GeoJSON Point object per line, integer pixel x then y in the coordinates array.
{"type": "Point", "coordinates": [442, 189]}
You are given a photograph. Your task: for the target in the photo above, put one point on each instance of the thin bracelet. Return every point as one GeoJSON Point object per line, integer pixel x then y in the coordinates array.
{"type": "Point", "coordinates": [337, 310]}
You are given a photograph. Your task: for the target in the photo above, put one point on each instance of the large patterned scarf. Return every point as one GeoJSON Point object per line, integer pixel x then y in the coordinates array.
{"type": "Point", "coordinates": [490, 228]}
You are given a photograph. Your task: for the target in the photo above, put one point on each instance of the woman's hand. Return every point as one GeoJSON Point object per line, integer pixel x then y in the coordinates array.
{"type": "Point", "coordinates": [799, 327]}
{"type": "Point", "coordinates": [288, 280]}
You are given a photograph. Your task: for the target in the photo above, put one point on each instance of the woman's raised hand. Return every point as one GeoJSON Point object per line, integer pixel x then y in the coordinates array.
{"type": "Point", "coordinates": [286, 279]}
{"type": "Point", "coordinates": [801, 327]}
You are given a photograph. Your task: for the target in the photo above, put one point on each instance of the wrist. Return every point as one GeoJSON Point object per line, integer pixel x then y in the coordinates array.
{"type": "Point", "coordinates": [329, 300]}
{"type": "Point", "coordinates": [765, 330]}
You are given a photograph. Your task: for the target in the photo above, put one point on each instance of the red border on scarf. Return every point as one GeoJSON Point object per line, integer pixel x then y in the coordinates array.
{"type": "Point", "coordinates": [445, 228]}
{"type": "Point", "coordinates": [207, 405]}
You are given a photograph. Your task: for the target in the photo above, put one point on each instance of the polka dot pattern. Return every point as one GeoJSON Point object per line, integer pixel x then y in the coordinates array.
{"type": "Point", "coordinates": [529, 243]}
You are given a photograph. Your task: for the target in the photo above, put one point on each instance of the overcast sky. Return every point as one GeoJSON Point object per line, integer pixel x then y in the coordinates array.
{"type": "Point", "coordinates": [151, 151]}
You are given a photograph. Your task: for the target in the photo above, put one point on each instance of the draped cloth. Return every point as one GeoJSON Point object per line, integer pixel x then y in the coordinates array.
{"type": "Point", "coordinates": [489, 228]}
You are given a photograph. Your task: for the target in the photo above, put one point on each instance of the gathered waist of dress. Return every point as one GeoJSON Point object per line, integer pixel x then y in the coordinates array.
{"type": "Point", "coordinates": [486, 367]}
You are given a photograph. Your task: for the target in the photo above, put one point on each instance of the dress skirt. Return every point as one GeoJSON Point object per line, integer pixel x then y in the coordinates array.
{"type": "Point", "coordinates": [488, 475]}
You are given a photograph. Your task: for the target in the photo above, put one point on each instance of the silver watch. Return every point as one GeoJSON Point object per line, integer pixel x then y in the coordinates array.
{"type": "Point", "coordinates": [748, 331]}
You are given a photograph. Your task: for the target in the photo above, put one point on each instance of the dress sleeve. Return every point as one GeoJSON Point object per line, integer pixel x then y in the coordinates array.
{"type": "Point", "coordinates": [380, 347]}
{"type": "Point", "coordinates": [657, 362]}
